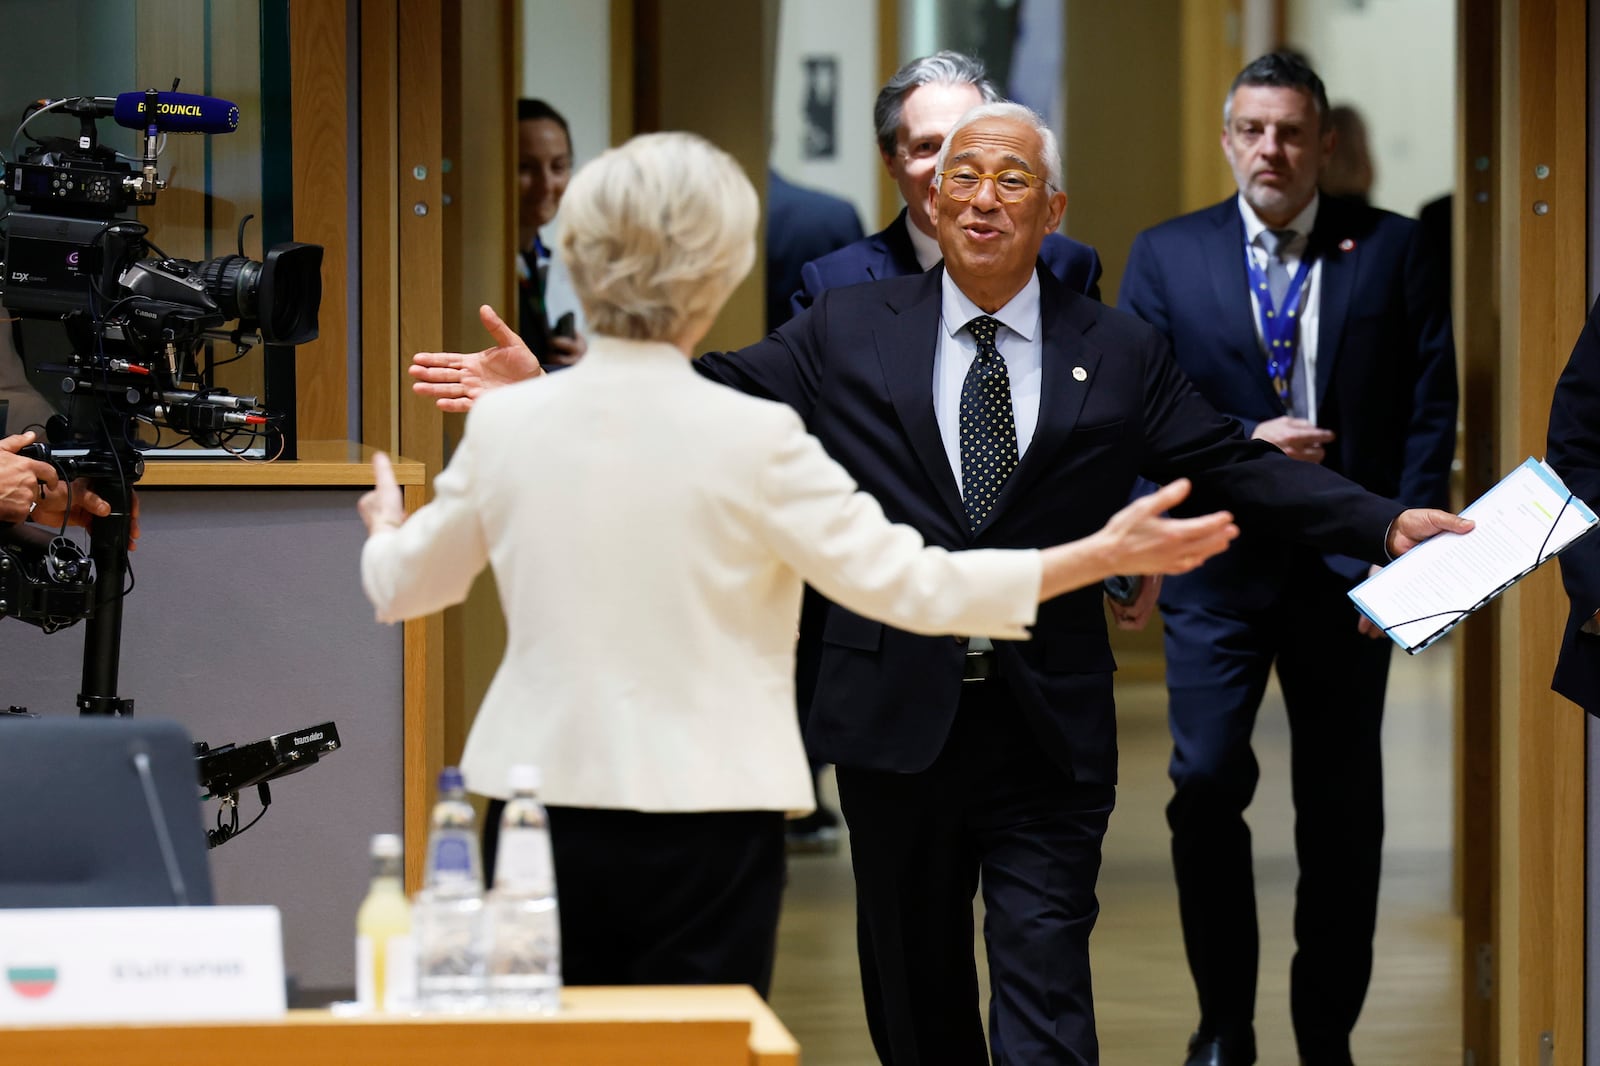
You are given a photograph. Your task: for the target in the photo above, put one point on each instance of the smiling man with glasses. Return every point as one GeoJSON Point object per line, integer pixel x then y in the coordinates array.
{"type": "Point", "coordinates": [913, 115]}
{"type": "Point", "coordinates": [986, 403]}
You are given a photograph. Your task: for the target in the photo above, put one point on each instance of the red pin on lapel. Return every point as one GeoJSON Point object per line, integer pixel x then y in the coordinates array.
{"type": "Point", "coordinates": [1347, 245]}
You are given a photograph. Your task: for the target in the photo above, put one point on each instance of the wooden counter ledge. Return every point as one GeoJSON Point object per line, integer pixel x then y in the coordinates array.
{"type": "Point", "coordinates": [322, 464]}
{"type": "Point", "coordinates": [680, 1026]}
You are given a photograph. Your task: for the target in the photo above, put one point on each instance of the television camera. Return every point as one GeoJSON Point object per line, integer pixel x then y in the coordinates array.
{"type": "Point", "coordinates": [138, 372]}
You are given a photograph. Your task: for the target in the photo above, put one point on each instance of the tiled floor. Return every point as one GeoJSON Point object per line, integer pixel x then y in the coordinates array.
{"type": "Point", "coordinates": [1145, 1001]}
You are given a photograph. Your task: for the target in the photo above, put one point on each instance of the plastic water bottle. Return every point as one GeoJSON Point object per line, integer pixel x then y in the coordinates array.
{"type": "Point", "coordinates": [523, 923]}
{"type": "Point", "coordinates": [385, 963]}
{"type": "Point", "coordinates": [448, 916]}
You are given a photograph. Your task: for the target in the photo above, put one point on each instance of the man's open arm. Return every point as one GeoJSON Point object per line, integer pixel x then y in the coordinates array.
{"type": "Point", "coordinates": [1265, 489]}
{"type": "Point", "coordinates": [786, 366]}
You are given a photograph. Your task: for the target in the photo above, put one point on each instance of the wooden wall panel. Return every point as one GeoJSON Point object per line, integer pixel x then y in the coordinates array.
{"type": "Point", "coordinates": [1544, 130]}
{"type": "Point", "coordinates": [1210, 55]}
{"type": "Point", "coordinates": [171, 43]}
{"type": "Point", "coordinates": [317, 39]}
{"type": "Point", "coordinates": [415, 27]}
{"type": "Point", "coordinates": [1110, 54]}
{"type": "Point", "coordinates": [380, 227]}
{"type": "Point", "coordinates": [212, 181]}
{"type": "Point", "coordinates": [889, 60]}
{"type": "Point", "coordinates": [674, 54]}
{"type": "Point", "coordinates": [481, 89]}
{"type": "Point", "coordinates": [624, 63]}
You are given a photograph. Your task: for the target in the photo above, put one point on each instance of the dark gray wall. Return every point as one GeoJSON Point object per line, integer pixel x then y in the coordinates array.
{"type": "Point", "coordinates": [248, 620]}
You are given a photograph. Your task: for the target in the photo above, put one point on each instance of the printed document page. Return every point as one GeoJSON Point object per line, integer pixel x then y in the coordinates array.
{"type": "Point", "coordinates": [1521, 522]}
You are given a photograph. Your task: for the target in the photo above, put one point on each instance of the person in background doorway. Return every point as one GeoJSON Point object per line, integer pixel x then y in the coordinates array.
{"type": "Point", "coordinates": [544, 165]}
{"type": "Point", "coordinates": [802, 224]}
{"type": "Point", "coordinates": [1349, 171]}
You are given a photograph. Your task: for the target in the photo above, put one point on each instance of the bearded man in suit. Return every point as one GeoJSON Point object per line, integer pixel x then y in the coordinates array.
{"type": "Point", "coordinates": [1322, 325]}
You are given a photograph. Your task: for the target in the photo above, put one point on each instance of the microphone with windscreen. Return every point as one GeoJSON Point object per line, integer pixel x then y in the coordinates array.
{"type": "Point", "coordinates": [176, 113]}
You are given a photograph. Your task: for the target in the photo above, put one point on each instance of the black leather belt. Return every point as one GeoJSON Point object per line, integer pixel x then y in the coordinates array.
{"type": "Point", "coordinates": [979, 666]}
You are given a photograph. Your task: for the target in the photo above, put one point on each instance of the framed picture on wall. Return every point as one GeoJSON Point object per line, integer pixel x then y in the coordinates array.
{"type": "Point", "coordinates": [821, 107]}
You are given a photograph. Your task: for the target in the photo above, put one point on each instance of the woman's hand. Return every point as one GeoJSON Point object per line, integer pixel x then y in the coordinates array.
{"type": "Point", "coordinates": [1138, 539]}
{"type": "Point", "coordinates": [383, 507]}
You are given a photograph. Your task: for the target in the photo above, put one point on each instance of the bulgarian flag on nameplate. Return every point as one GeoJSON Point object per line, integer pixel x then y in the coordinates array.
{"type": "Point", "coordinates": [31, 982]}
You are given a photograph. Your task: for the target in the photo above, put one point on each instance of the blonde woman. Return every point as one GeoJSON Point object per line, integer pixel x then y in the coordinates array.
{"type": "Point", "coordinates": [651, 581]}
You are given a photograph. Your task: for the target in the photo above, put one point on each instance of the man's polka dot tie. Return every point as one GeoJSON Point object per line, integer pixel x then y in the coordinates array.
{"type": "Point", "coordinates": [988, 430]}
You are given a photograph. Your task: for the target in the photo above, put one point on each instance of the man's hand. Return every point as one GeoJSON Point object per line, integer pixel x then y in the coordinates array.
{"type": "Point", "coordinates": [1364, 625]}
{"type": "Point", "coordinates": [1136, 614]}
{"type": "Point", "coordinates": [1139, 540]}
{"type": "Point", "coordinates": [455, 379]}
{"type": "Point", "coordinates": [76, 503]}
{"type": "Point", "coordinates": [1418, 524]}
{"type": "Point", "coordinates": [564, 351]}
{"type": "Point", "coordinates": [25, 484]}
{"type": "Point", "coordinates": [383, 507]}
{"type": "Point", "coordinates": [1295, 437]}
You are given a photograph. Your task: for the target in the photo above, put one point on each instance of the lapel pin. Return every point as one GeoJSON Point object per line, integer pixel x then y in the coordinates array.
{"type": "Point", "coordinates": [1080, 374]}
{"type": "Point", "coordinates": [1347, 245]}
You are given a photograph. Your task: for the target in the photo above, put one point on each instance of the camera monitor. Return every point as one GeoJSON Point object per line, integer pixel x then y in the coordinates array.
{"type": "Point", "coordinates": [100, 812]}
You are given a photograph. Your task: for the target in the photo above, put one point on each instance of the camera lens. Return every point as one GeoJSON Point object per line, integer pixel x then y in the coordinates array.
{"type": "Point", "coordinates": [290, 293]}
{"type": "Point", "coordinates": [280, 296]}
{"type": "Point", "coordinates": [230, 281]}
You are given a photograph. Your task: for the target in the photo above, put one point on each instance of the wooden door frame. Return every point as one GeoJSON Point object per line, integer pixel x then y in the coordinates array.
{"type": "Point", "coordinates": [1476, 309]}
{"type": "Point", "coordinates": [1521, 226]}
{"type": "Point", "coordinates": [1545, 222]}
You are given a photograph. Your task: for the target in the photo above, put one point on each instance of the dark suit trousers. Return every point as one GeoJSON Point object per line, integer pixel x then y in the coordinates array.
{"type": "Point", "coordinates": [991, 802]}
{"type": "Point", "coordinates": [1333, 681]}
{"type": "Point", "coordinates": [663, 898]}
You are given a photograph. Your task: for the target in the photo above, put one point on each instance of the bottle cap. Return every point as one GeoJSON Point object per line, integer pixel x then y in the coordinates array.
{"type": "Point", "coordinates": [386, 846]}
{"type": "Point", "coordinates": [524, 778]}
{"type": "Point", "coordinates": [450, 780]}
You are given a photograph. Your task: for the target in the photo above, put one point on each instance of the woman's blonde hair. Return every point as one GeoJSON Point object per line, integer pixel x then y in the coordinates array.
{"type": "Point", "coordinates": [656, 234]}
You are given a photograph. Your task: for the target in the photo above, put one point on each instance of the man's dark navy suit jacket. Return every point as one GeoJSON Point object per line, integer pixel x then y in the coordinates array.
{"type": "Point", "coordinates": [1573, 449]}
{"type": "Point", "coordinates": [858, 367]}
{"type": "Point", "coordinates": [1385, 367]}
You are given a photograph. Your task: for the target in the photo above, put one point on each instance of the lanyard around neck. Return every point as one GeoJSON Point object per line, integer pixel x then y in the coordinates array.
{"type": "Point", "coordinates": [1279, 326]}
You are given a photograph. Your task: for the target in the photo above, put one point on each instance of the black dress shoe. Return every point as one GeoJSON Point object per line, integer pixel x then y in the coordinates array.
{"type": "Point", "coordinates": [1209, 1051]}
{"type": "Point", "coordinates": [815, 834]}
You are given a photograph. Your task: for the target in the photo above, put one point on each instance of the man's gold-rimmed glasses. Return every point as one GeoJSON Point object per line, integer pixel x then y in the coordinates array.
{"type": "Point", "coordinates": [1010, 186]}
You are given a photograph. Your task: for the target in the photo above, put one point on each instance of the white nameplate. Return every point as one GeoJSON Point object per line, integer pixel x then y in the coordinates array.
{"type": "Point", "coordinates": [140, 964]}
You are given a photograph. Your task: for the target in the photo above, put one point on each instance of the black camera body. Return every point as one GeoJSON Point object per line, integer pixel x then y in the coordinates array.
{"type": "Point", "coordinates": [135, 318]}
{"type": "Point", "coordinates": [136, 325]}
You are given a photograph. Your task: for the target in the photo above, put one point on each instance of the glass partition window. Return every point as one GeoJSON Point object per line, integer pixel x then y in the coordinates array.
{"type": "Point", "coordinates": [103, 48]}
